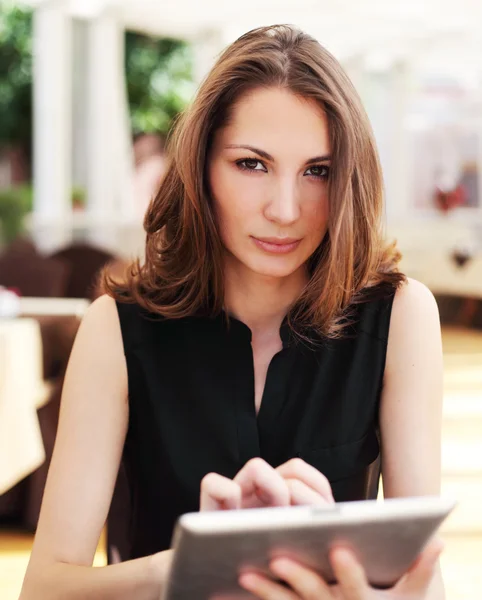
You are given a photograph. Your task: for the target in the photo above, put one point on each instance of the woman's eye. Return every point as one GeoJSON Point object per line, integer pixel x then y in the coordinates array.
{"type": "Point", "coordinates": [251, 164]}
{"type": "Point", "coordinates": [320, 171]}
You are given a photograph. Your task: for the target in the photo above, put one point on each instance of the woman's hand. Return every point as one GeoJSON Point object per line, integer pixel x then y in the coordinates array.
{"type": "Point", "coordinates": [260, 485]}
{"type": "Point", "coordinates": [352, 584]}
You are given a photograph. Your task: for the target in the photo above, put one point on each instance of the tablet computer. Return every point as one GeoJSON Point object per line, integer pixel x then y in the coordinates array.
{"type": "Point", "coordinates": [211, 549]}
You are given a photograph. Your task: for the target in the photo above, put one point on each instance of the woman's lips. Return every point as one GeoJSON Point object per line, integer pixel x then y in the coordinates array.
{"type": "Point", "coordinates": [277, 245]}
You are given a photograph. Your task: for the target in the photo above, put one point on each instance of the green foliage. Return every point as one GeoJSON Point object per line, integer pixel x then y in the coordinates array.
{"type": "Point", "coordinates": [159, 81]}
{"type": "Point", "coordinates": [15, 75]}
{"type": "Point", "coordinates": [158, 71]}
{"type": "Point", "coordinates": [15, 203]}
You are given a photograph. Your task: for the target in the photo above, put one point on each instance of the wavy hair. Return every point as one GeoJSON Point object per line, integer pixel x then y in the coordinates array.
{"type": "Point", "coordinates": [182, 273]}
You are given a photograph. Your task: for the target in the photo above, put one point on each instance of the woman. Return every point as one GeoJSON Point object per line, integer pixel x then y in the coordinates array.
{"type": "Point", "coordinates": [263, 352]}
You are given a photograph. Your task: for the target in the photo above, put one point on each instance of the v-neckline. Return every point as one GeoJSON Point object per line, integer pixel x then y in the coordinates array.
{"type": "Point", "coordinates": [245, 334]}
{"type": "Point", "coordinates": [266, 405]}
{"type": "Point", "coordinates": [252, 426]}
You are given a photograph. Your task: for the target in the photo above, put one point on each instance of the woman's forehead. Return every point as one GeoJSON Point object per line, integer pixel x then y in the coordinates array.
{"type": "Point", "coordinates": [273, 118]}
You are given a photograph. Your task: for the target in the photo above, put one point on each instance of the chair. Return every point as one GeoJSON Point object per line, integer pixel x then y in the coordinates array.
{"type": "Point", "coordinates": [32, 274]}
{"type": "Point", "coordinates": [85, 262]}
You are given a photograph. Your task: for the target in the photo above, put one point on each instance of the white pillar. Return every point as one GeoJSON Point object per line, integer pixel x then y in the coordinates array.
{"type": "Point", "coordinates": [52, 84]}
{"type": "Point", "coordinates": [387, 97]}
{"type": "Point", "coordinates": [79, 103]}
{"type": "Point", "coordinates": [109, 162]}
{"type": "Point", "coordinates": [355, 69]}
{"type": "Point", "coordinates": [207, 46]}
{"type": "Point", "coordinates": [398, 180]}
{"type": "Point", "coordinates": [125, 149]}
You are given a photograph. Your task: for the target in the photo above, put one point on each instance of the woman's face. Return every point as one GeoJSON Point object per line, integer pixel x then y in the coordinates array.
{"type": "Point", "coordinates": [268, 174]}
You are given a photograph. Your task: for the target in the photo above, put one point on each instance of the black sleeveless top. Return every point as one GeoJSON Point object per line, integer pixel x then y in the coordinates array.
{"type": "Point", "coordinates": [191, 412]}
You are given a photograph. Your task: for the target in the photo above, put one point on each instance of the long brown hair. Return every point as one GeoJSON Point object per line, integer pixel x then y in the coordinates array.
{"type": "Point", "coordinates": [182, 274]}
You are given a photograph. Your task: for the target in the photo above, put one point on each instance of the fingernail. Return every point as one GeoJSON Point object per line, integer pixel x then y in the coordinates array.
{"type": "Point", "coordinates": [343, 555]}
{"type": "Point", "coordinates": [247, 581]}
{"type": "Point", "coordinates": [279, 566]}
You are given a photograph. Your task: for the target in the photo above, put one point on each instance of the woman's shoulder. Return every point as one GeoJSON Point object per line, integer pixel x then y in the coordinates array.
{"type": "Point", "coordinates": [413, 295]}
{"type": "Point", "coordinates": [99, 333]}
{"type": "Point", "coordinates": [409, 305]}
{"type": "Point", "coordinates": [108, 317]}
{"type": "Point", "coordinates": [403, 295]}
{"type": "Point", "coordinates": [105, 308]}
{"type": "Point", "coordinates": [415, 340]}
{"type": "Point", "coordinates": [102, 310]}
{"type": "Point", "coordinates": [414, 304]}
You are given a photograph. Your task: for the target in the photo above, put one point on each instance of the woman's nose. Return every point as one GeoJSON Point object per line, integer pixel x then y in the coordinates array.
{"type": "Point", "coordinates": [283, 206]}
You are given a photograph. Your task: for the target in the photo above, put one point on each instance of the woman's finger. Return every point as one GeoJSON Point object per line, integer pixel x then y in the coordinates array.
{"type": "Point", "coordinates": [307, 584]}
{"type": "Point", "coordinates": [350, 575]}
{"type": "Point", "coordinates": [301, 494]}
{"type": "Point", "coordinates": [219, 493]}
{"type": "Point", "coordinates": [297, 468]}
{"type": "Point", "coordinates": [265, 589]}
{"type": "Point", "coordinates": [261, 485]}
{"type": "Point", "coordinates": [417, 580]}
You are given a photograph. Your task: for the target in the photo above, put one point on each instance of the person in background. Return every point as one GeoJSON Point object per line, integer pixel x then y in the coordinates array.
{"type": "Point", "coordinates": [150, 166]}
{"type": "Point", "coordinates": [267, 352]}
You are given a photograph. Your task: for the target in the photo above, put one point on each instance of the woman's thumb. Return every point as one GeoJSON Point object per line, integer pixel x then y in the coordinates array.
{"type": "Point", "coordinates": [419, 576]}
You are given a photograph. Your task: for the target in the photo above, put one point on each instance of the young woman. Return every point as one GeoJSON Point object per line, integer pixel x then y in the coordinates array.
{"type": "Point", "coordinates": [264, 352]}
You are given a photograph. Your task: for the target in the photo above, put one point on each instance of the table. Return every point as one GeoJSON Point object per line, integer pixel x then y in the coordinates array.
{"type": "Point", "coordinates": [38, 350]}
{"type": "Point", "coordinates": [34, 349]}
{"type": "Point", "coordinates": [22, 392]}
{"type": "Point", "coordinates": [56, 307]}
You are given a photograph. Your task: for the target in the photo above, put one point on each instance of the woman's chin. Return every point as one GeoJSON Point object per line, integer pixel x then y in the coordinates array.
{"type": "Point", "coordinates": [265, 266]}
{"type": "Point", "coordinates": [273, 268]}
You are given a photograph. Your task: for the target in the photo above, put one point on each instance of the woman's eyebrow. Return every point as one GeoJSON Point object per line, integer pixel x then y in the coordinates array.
{"type": "Point", "coordinates": [261, 153]}
{"type": "Point", "coordinates": [318, 159]}
{"type": "Point", "coordinates": [265, 155]}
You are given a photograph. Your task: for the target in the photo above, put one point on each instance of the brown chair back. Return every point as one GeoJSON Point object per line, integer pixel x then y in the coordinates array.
{"type": "Point", "coordinates": [85, 264]}
{"type": "Point", "coordinates": [33, 274]}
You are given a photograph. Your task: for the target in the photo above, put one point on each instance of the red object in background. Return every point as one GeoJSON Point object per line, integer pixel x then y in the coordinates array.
{"type": "Point", "coordinates": [15, 290]}
{"type": "Point", "coordinates": [449, 200]}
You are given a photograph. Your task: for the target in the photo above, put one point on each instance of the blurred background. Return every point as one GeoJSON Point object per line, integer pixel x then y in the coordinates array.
{"type": "Point", "coordinates": [88, 92]}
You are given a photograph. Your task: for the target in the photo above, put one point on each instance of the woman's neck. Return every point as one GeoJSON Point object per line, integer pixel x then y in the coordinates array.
{"type": "Point", "coordinates": [258, 301]}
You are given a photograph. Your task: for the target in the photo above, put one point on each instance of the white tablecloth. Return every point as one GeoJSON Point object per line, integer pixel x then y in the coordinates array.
{"type": "Point", "coordinates": [22, 390]}
{"type": "Point", "coordinates": [61, 307]}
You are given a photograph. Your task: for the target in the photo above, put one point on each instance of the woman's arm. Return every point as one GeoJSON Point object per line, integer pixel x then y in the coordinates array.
{"type": "Point", "coordinates": [88, 448]}
{"type": "Point", "coordinates": [411, 404]}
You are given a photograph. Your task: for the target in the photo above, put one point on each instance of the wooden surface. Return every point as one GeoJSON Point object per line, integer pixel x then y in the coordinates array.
{"type": "Point", "coordinates": [462, 477]}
